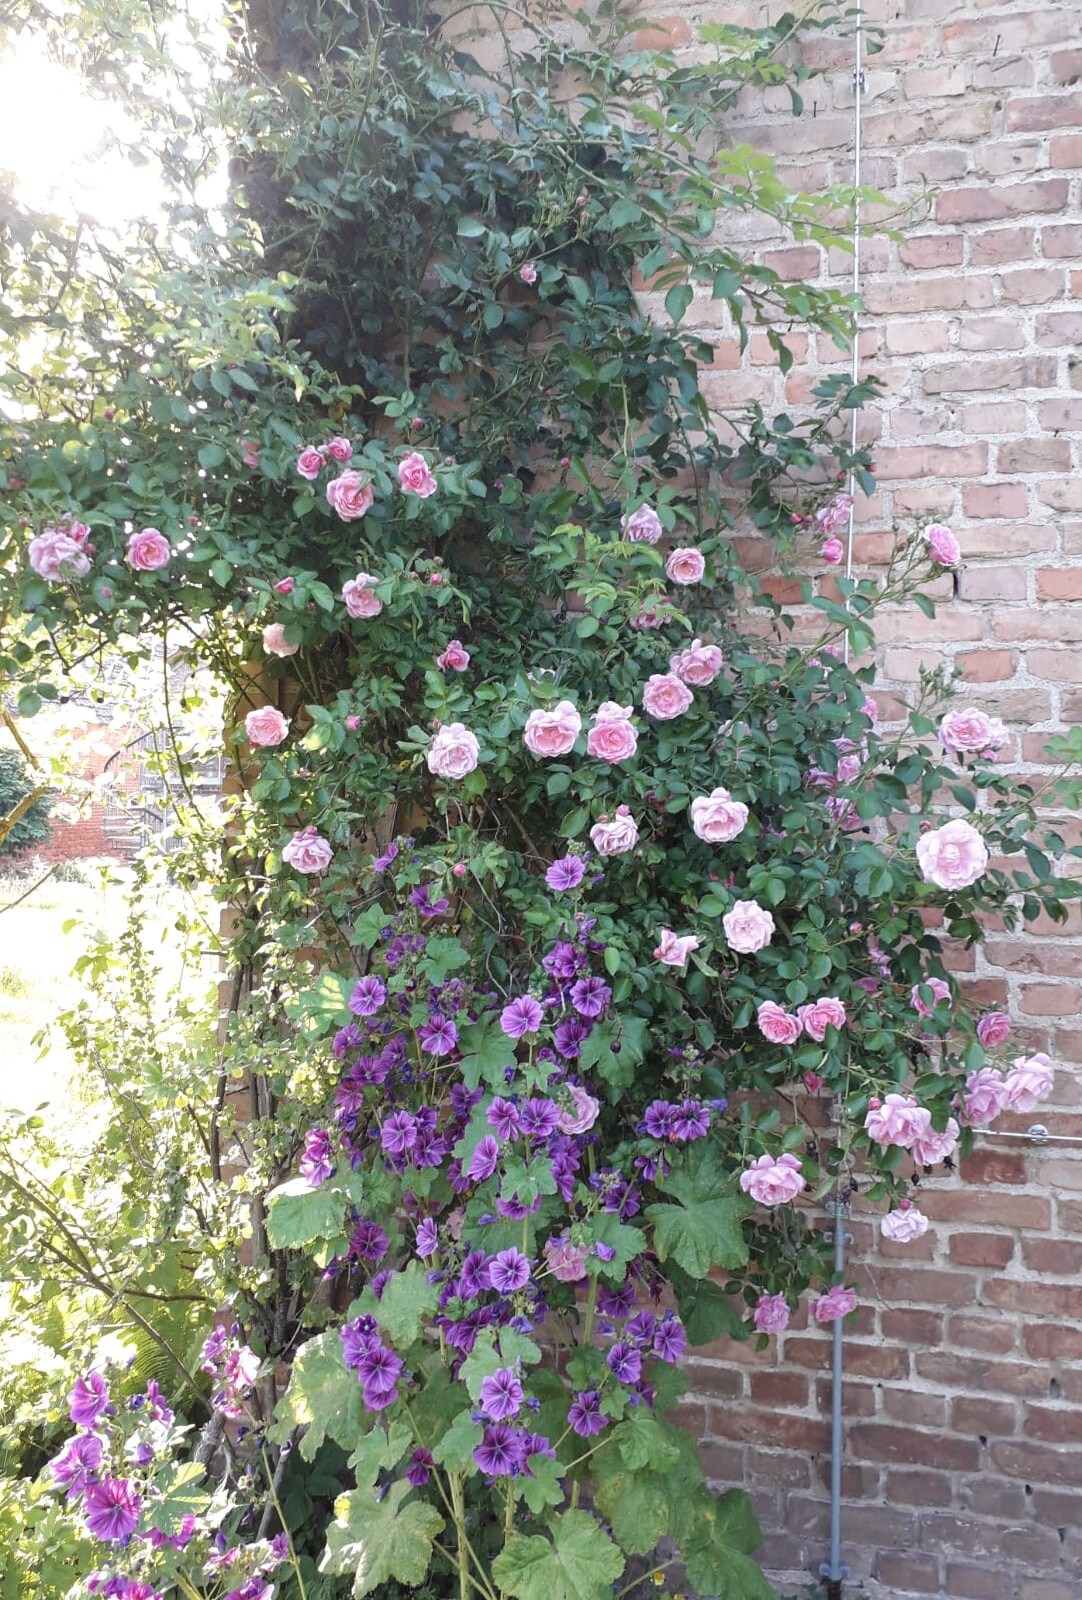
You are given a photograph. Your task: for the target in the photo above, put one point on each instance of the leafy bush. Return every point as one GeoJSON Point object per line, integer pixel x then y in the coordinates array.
{"type": "Point", "coordinates": [24, 806]}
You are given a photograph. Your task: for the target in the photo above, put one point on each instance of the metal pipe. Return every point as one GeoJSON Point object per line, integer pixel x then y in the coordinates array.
{"type": "Point", "coordinates": [858, 95]}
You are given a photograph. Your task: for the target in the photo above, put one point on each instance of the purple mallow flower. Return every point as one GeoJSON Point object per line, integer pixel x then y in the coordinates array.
{"type": "Point", "coordinates": [521, 1016]}
{"type": "Point", "coordinates": [367, 997]}
{"type": "Point", "coordinates": [670, 1340]}
{"type": "Point", "coordinates": [590, 996]}
{"type": "Point", "coordinates": [439, 1037]}
{"type": "Point", "coordinates": [484, 1160]}
{"type": "Point", "coordinates": [502, 1452]}
{"type": "Point", "coordinates": [508, 1271]}
{"type": "Point", "coordinates": [399, 1133]}
{"type": "Point", "coordinates": [584, 1414]}
{"type": "Point", "coordinates": [420, 1468]}
{"type": "Point", "coordinates": [427, 1238]}
{"type": "Point", "coordinates": [625, 1362]}
{"type": "Point", "coordinates": [88, 1399]}
{"type": "Point", "coordinates": [503, 1118]}
{"type": "Point", "coordinates": [539, 1117]}
{"type": "Point", "coordinates": [317, 1163]}
{"type": "Point", "coordinates": [77, 1463]}
{"type": "Point", "coordinates": [112, 1509]}
{"type": "Point", "coordinates": [566, 873]}
{"type": "Point", "coordinates": [501, 1394]}
{"type": "Point", "coordinates": [570, 1035]}
{"type": "Point", "coordinates": [368, 1241]}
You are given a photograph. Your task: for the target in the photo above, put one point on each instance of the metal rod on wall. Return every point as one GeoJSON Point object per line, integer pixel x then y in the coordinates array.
{"type": "Point", "coordinates": [833, 1571]}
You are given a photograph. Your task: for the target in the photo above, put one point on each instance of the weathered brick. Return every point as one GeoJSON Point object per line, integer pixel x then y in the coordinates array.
{"type": "Point", "coordinates": [908, 1574]}
{"type": "Point", "coordinates": [1008, 374]}
{"type": "Point", "coordinates": [966, 1582]}
{"type": "Point", "coordinates": [1033, 455]}
{"type": "Point", "coordinates": [993, 203]}
{"type": "Point", "coordinates": [995, 500]}
{"type": "Point", "coordinates": [996, 245]}
{"type": "Point", "coordinates": [1043, 112]}
{"type": "Point", "coordinates": [990, 333]}
{"type": "Point", "coordinates": [981, 1249]}
{"type": "Point", "coordinates": [979, 1415]}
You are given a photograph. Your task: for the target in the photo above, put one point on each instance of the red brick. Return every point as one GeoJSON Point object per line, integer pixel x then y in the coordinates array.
{"type": "Point", "coordinates": [1009, 374]}
{"type": "Point", "coordinates": [978, 1415]}
{"type": "Point", "coordinates": [995, 500]}
{"type": "Point", "coordinates": [1061, 242]}
{"type": "Point", "coordinates": [990, 333]}
{"type": "Point", "coordinates": [1066, 414]}
{"type": "Point", "coordinates": [880, 1441]}
{"type": "Point", "coordinates": [965, 1582]}
{"type": "Point", "coordinates": [991, 1336]}
{"type": "Point", "coordinates": [797, 264]}
{"type": "Point", "coordinates": [1050, 999]}
{"type": "Point", "coordinates": [908, 1574]}
{"type": "Point", "coordinates": [1034, 1299]}
{"type": "Point", "coordinates": [1066, 66]}
{"type": "Point", "coordinates": [916, 1409]}
{"type": "Point", "coordinates": [779, 1389]}
{"type": "Point", "coordinates": [1033, 455]}
{"type": "Point", "coordinates": [1059, 666]}
{"type": "Point", "coordinates": [976, 1374]}
{"type": "Point", "coordinates": [981, 1249]}
{"type": "Point", "coordinates": [664, 33]}
{"type": "Point", "coordinates": [1043, 113]}
{"type": "Point", "coordinates": [1050, 1341]}
{"type": "Point", "coordinates": [1032, 286]}
{"type": "Point", "coordinates": [987, 666]}
{"type": "Point", "coordinates": [1066, 151]}
{"type": "Point", "coordinates": [996, 245]}
{"type": "Point", "coordinates": [1059, 583]}
{"type": "Point", "coordinates": [991, 1163]}
{"type": "Point", "coordinates": [1001, 200]}
{"type": "Point", "coordinates": [992, 583]}
{"type": "Point", "coordinates": [919, 1488]}
{"type": "Point", "coordinates": [932, 250]}
{"type": "Point", "coordinates": [925, 1287]}
{"type": "Point", "coordinates": [916, 338]}
{"type": "Point", "coordinates": [1014, 31]}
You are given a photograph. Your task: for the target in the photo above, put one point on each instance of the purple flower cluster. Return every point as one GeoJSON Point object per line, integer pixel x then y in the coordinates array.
{"type": "Point", "coordinates": [233, 1366]}
{"type": "Point", "coordinates": [676, 1124]}
{"type": "Point", "coordinates": [378, 1368]}
{"type": "Point", "coordinates": [317, 1164]}
{"type": "Point", "coordinates": [505, 1451]}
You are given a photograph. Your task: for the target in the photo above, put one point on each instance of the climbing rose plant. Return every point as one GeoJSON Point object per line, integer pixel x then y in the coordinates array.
{"type": "Point", "coordinates": [587, 918]}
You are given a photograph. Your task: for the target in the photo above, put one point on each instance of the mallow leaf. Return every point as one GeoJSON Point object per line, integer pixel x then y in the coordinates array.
{"type": "Point", "coordinates": [579, 1562]}
{"type": "Point", "coordinates": [375, 1541]}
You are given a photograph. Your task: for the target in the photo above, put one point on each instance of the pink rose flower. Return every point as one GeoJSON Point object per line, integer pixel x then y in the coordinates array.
{"type": "Point", "coordinates": [773, 1181]}
{"type": "Point", "coordinates": [642, 526]}
{"type": "Point", "coordinates": [673, 950]}
{"type": "Point", "coordinates": [832, 551]}
{"type": "Point", "coordinates": [552, 732]}
{"type": "Point", "coordinates": [453, 751]}
{"type": "Point", "coordinates": [284, 586]}
{"type": "Point", "coordinates": [777, 1025]}
{"type": "Point", "coordinates": [821, 1014]}
{"type": "Point", "coordinates": [943, 547]}
{"type": "Point", "coordinates": [904, 1224]}
{"type": "Point", "coordinates": [353, 722]}
{"type": "Point", "coordinates": [351, 495]}
{"type": "Point", "coordinates": [339, 450]}
{"type": "Point", "coordinates": [940, 989]}
{"type": "Point", "coordinates": [275, 642]}
{"type": "Point", "coordinates": [652, 617]}
{"type": "Point", "coordinates": [985, 1097]}
{"type": "Point", "coordinates": [583, 1113]}
{"type": "Point", "coordinates": [310, 462]}
{"type": "Point", "coordinates": [612, 737]}
{"type": "Point", "coordinates": [952, 857]}
{"type": "Point", "coordinates": [360, 596]}
{"type": "Point", "coordinates": [972, 730]}
{"type": "Point", "coordinates": [836, 1303]}
{"type": "Point", "coordinates": [928, 1147]}
{"type": "Point", "coordinates": [266, 727]}
{"type": "Point", "coordinates": [771, 1314]}
{"type": "Point", "coordinates": [456, 658]}
{"type": "Point", "coordinates": [307, 851]}
{"type": "Point", "coordinates": [1028, 1082]}
{"type": "Point", "coordinates": [894, 1120]}
{"type": "Point", "coordinates": [665, 696]}
{"type": "Point", "coordinates": [834, 516]}
{"type": "Point", "coordinates": [249, 451]}
{"type": "Point", "coordinates": [698, 665]}
{"type": "Point", "coordinates": [615, 836]}
{"type": "Point", "coordinates": [416, 476]}
{"type": "Point", "coordinates": [717, 817]}
{"type": "Point", "coordinates": [993, 1028]}
{"type": "Point", "coordinates": [685, 565]}
{"type": "Point", "coordinates": [747, 927]}
{"type": "Point", "coordinates": [58, 552]}
{"type": "Point", "coordinates": [528, 273]}
{"type": "Point", "coordinates": [566, 1261]}
{"type": "Point", "coordinates": [148, 550]}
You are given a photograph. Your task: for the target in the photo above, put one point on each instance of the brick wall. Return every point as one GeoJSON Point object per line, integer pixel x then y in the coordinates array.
{"type": "Point", "coordinates": [963, 1397]}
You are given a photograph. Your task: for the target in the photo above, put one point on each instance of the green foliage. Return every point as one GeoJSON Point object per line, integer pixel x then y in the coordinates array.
{"type": "Point", "coordinates": [25, 804]}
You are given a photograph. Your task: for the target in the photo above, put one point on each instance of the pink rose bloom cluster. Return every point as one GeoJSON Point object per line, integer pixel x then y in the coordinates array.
{"type": "Point", "coordinates": [834, 516]}
{"type": "Point", "coordinates": [566, 1261]}
{"type": "Point", "coordinates": [453, 752]}
{"type": "Point", "coordinates": [698, 665]}
{"type": "Point", "coordinates": [582, 1114]}
{"type": "Point", "coordinates": [771, 1313]}
{"type": "Point", "coordinates": [1028, 1082]}
{"type": "Point", "coordinates": [615, 836]}
{"type": "Point", "coordinates": [952, 857]}
{"type": "Point", "coordinates": [612, 737]}
{"type": "Point", "coordinates": [943, 547]}
{"type": "Point", "coordinates": [835, 1304]}
{"type": "Point", "coordinates": [673, 950]}
{"type": "Point", "coordinates": [351, 495]}
{"type": "Point", "coordinates": [275, 642]}
{"type": "Point", "coordinates": [665, 696]}
{"type": "Point", "coordinates": [973, 730]}
{"type": "Point", "coordinates": [717, 818]}
{"type": "Point", "coordinates": [832, 550]}
{"type": "Point", "coordinates": [313, 457]}
{"type": "Point", "coordinates": [416, 476]}
{"type": "Point", "coordinates": [940, 990]}
{"type": "Point", "coordinates": [782, 1027]}
{"type": "Point", "coordinates": [249, 451]}
{"type": "Point", "coordinates": [456, 658]}
{"type": "Point", "coordinates": [642, 526]}
{"type": "Point", "coordinates": [748, 927]}
{"type": "Point", "coordinates": [993, 1028]}
{"type": "Point", "coordinates": [308, 851]}
{"type": "Point", "coordinates": [904, 1224]}
{"type": "Point", "coordinates": [60, 551]}
{"type": "Point", "coordinates": [685, 565]}
{"type": "Point", "coordinates": [360, 596]}
{"type": "Point", "coordinates": [266, 727]}
{"type": "Point", "coordinates": [898, 1119]}
{"type": "Point", "coordinates": [552, 732]}
{"type": "Point", "coordinates": [773, 1180]}
{"type": "Point", "coordinates": [985, 1096]}
{"type": "Point", "coordinates": [148, 551]}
